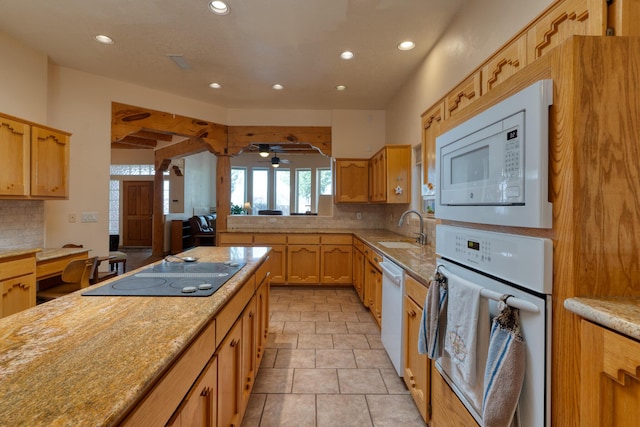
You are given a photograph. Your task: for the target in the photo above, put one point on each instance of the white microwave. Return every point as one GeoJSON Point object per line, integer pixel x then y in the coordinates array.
{"type": "Point", "coordinates": [493, 168]}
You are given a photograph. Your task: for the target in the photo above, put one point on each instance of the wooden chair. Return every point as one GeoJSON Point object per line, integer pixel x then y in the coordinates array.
{"type": "Point", "coordinates": [76, 275]}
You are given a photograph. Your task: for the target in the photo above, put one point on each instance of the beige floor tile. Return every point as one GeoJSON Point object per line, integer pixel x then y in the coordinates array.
{"type": "Point", "coordinates": [343, 316]}
{"type": "Point", "coordinates": [276, 326]}
{"type": "Point", "coordinates": [328, 307]}
{"type": "Point", "coordinates": [331, 327]}
{"type": "Point", "coordinates": [254, 410]}
{"type": "Point", "coordinates": [269, 358]}
{"type": "Point", "coordinates": [338, 299]}
{"type": "Point", "coordinates": [282, 340]}
{"type": "Point", "coordinates": [271, 380]}
{"type": "Point", "coordinates": [365, 316]}
{"type": "Point", "coordinates": [394, 410]}
{"type": "Point", "coordinates": [283, 316]}
{"type": "Point", "coordinates": [372, 359]}
{"type": "Point", "coordinates": [279, 306]}
{"type": "Point", "coordinates": [290, 298]}
{"type": "Point", "coordinates": [326, 358]}
{"type": "Point", "coordinates": [315, 299]}
{"type": "Point", "coordinates": [363, 328]}
{"type": "Point", "coordinates": [394, 383]}
{"type": "Point", "coordinates": [361, 381]}
{"type": "Point", "coordinates": [355, 307]}
{"type": "Point", "coordinates": [350, 341]}
{"type": "Point", "coordinates": [374, 341]}
{"type": "Point", "coordinates": [299, 328]}
{"type": "Point", "coordinates": [315, 341]}
{"type": "Point", "coordinates": [343, 410]}
{"type": "Point", "coordinates": [294, 358]}
{"type": "Point", "coordinates": [315, 316]}
{"type": "Point", "coordinates": [325, 291]}
{"type": "Point", "coordinates": [315, 381]}
{"type": "Point", "coordinates": [302, 306]}
{"type": "Point", "coordinates": [289, 410]}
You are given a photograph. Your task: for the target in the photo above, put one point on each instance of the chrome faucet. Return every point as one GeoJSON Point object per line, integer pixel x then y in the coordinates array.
{"type": "Point", "coordinates": [422, 238]}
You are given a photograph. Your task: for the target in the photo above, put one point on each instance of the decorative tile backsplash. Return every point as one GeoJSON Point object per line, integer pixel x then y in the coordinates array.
{"type": "Point", "coordinates": [21, 224]}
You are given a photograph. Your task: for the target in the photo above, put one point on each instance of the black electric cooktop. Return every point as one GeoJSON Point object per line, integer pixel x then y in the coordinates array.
{"type": "Point", "coordinates": [172, 279]}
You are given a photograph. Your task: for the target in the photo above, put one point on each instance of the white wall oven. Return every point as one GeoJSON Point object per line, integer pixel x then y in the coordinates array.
{"type": "Point", "coordinates": [485, 267]}
{"type": "Point", "coordinates": [493, 168]}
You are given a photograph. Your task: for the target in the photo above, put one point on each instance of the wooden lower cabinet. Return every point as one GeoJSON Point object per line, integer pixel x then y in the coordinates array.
{"type": "Point", "coordinates": [262, 318]}
{"type": "Point", "coordinates": [303, 264]}
{"type": "Point", "coordinates": [358, 272]}
{"type": "Point", "coordinates": [17, 284]}
{"type": "Point", "coordinates": [373, 291]}
{"type": "Point", "coordinates": [609, 378]}
{"type": "Point", "coordinates": [200, 406]}
{"type": "Point", "coordinates": [249, 351]}
{"type": "Point", "coordinates": [417, 367]}
{"type": "Point", "coordinates": [335, 262]}
{"type": "Point", "coordinates": [230, 381]}
{"type": "Point", "coordinates": [447, 410]}
{"type": "Point", "coordinates": [277, 256]}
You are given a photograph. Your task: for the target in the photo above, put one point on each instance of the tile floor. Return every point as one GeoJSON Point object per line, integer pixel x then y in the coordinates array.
{"type": "Point", "coordinates": [325, 366]}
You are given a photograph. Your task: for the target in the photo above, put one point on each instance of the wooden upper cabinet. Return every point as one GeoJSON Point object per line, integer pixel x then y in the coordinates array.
{"type": "Point", "coordinates": [505, 63]}
{"type": "Point", "coordinates": [623, 17]}
{"type": "Point", "coordinates": [563, 20]}
{"type": "Point", "coordinates": [49, 163]}
{"type": "Point", "coordinates": [431, 123]}
{"type": "Point", "coordinates": [15, 140]}
{"type": "Point", "coordinates": [462, 95]}
{"type": "Point", "coordinates": [390, 175]}
{"type": "Point", "coordinates": [351, 181]}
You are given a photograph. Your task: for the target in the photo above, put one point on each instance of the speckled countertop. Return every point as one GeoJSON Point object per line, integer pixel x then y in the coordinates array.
{"type": "Point", "coordinates": [86, 360]}
{"type": "Point", "coordinates": [621, 314]}
{"type": "Point", "coordinates": [8, 253]}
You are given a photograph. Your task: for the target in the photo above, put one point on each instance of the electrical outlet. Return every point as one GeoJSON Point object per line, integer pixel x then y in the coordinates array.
{"type": "Point", "coordinates": [72, 217]}
{"type": "Point", "coordinates": [358, 215]}
{"type": "Point", "coordinates": [272, 220]}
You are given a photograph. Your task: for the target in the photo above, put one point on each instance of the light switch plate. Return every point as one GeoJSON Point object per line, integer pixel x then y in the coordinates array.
{"type": "Point", "coordinates": [89, 216]}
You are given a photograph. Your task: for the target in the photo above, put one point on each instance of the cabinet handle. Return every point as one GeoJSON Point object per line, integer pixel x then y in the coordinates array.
{"type": "Point", "coordinates": [233, 343]}
{"type": "Point", "coordinates": [412, 313]}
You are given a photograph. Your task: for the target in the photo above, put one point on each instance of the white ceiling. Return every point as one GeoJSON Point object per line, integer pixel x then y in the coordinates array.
{"type": "Point", "coordinates": [260, 42]}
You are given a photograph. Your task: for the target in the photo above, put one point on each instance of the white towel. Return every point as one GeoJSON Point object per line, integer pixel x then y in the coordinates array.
{"type": "Point", "coordinates": [434, 318]}
{"type": "Point", "coordinates": [462, 326]}
{"type": "Point", "coordinates": [504, 374]}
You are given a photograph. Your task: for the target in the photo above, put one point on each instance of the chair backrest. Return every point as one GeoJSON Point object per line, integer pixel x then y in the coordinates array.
{"type": "Point", "coordinates": [71, 245]}
{"type": "Point", "coordinates": [79, 271]}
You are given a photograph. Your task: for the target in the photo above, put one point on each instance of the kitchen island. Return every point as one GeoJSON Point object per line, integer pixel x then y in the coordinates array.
{"type": "Point", "coordinates": [82, 360]}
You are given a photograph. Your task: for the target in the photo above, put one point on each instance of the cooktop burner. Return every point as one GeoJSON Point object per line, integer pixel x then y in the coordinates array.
{"type": "Point", "coordinates": [177, 279]}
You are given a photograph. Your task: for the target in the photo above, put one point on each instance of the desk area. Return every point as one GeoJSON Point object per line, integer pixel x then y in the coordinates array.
{"type": "Point", "coordinates": [50, 262]}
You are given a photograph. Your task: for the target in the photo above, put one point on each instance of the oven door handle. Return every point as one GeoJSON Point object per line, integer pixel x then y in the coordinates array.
{"type": "Point", "coordinates": [511, 301]}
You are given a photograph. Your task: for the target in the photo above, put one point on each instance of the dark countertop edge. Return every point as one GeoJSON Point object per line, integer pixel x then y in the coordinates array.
{"type": "Point", "coordinates": [620, 314]}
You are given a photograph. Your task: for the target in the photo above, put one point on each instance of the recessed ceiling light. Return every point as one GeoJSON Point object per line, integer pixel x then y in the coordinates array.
{"type": "Point", "coordinates": [277, 86]}
{"type": "Point", "coordinates": [215, 85]}
{"type": "Point", "coordinates": [218, 7]}
{"type": "Point", "coordinates": [103, 39]}
{"type": "Point", "coordinates": [346, 54]}
{"type": "Point", "coordinates": [406, 45]}
{"type": "Point", "coordinates": [341, 87]}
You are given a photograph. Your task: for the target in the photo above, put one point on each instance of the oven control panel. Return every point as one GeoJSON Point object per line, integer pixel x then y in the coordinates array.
{"type": "Point", "coordinates": [524, 260]}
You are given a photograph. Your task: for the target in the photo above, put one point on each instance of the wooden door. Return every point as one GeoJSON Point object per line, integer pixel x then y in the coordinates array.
{"type": "Point", "coordinates": [137, 209]}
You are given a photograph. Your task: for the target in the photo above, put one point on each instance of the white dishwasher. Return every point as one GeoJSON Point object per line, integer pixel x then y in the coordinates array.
{"type": "Point", "coordinates": [393, 313]}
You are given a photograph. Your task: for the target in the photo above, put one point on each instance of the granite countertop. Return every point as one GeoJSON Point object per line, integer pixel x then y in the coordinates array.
{"type": "Point", "coordinates": [53, 253]}
{"type": "Point", "coordinates": [86, 360]}
{"type": "Point", "coordinates": [9, 253]}
{"type": "Point", "coordinates": [621, 314]}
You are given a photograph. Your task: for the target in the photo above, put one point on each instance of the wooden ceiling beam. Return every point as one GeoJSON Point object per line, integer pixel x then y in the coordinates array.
{"type": "Point", "coordinates": [151, 134]}
{"type": "Point", "coordinates": [138, 142]}
{"type": "Point", "coordinates": [242, 136]}
{"type": "Point", "coordinates": [181, 149]}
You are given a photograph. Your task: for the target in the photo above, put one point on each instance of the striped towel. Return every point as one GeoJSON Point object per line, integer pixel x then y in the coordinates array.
{"type": "Point", "coordinates": [434, 318]}
{"type": "Point", "coordinates": [504, 373]}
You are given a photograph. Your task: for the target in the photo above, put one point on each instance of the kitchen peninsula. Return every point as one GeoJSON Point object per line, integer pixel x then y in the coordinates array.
{"type": "Point", "coordinates": [82, 360]}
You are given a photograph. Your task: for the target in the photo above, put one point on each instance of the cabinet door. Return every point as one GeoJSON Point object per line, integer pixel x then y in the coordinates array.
{"type": "Point", "coordinates": [373, 291]}
{"type": "Point", "coordinates": [15, 144]}
{"type": "Point", "coordinates": [18, 293]}
{"type": "Point", "coordinates": [609, 380]}
{"type": "Point", "coordinates": [447, 409]}
{"type": "Point", "coordinates": [262, 317]}
{"type": "Point", "coordinates": [505, 63]}
{"type": "Point", "coordinates": [277, 257]}
{"type": "Point", "coordinates": [335, 264]}
{"type": "Point", "coordinates": [431, 124]}
{"type": "Point", "coordinates": [397, 184]}
{"type": "Point", "coordinates": [199, 408]}
{"type": "Point", "coordinates": [49, 163]}
{"type": "Point", "coordinates": [351, 181]}
{"type": "Point", "coordinates": [249, 351]}
{"type": "Point", "coordinates": [462, 96]}
{"type": "Point", "coordinates": [230, 378]}
{"type": "Point", "coordinates": [303, 263]}
{"type": "Point", "coordinates": [416, 371]}
{"type": "Point", "coordinates": [358, 272]}
{"type": "Point", "coordinates": [377, 177]}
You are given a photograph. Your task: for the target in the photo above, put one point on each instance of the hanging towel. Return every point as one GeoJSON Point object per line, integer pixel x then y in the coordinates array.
{"type": "Point", "coordinates": [504, 373]}
{"type": "Point", "coordinates": [463, 308]}
{"type": "Point", "coordinates": [434, 318]}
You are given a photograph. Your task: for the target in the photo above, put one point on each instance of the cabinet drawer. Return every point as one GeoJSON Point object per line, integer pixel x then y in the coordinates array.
{"type": "Point", "coordinates": [336, 239]}
{"type": "Point", "coordinates": [267, 239]}
{"type": "Point", "coordinates": [358, 244]}
{"type": "Point", "coordinates": [415, 290]}
{"type": "Point", "coordinates": [18, 267]}
{"type": "Point", "coordinates": [230, 239]}
{"type": "Point", "coordinates": [373, 256]}
{"type": "Point", "coordinates": [304, 239]}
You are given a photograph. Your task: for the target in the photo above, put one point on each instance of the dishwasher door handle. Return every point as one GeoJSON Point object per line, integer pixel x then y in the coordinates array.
{"type": "Point", "coordinates": [392, 272]}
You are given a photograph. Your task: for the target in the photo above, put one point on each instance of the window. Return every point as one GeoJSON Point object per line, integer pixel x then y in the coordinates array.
{"type": "Point", "coordinates": [114, 206]}
{"type": "Point", "coordinates": [260, 199]}
{"type": "Point", "coordinates": [303, 190]}
{"type": "Point", "coordinates": [324, 182]}
{"type": "Point", "coordinates": [238, 186]}
{"type": "Point", "coordinates": [283, 190]}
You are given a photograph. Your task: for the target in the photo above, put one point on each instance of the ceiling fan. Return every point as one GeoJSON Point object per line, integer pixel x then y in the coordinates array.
{"type": "Point", "coordinates": [276, 161]}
